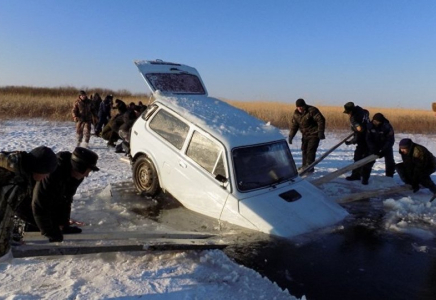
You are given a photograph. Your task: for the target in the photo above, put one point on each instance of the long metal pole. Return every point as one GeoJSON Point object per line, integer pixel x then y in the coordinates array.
{"type": "Point", "coordinates": [304, 171]}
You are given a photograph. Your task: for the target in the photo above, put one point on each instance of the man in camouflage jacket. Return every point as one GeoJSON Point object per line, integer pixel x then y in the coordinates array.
{"type": "Point", "coordinates": [309, 120]}
{"type": "Point", "coordinates": [82, 115]}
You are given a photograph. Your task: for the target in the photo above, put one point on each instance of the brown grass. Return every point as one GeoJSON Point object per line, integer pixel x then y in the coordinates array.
{"type": "Point", "coordinates": [403, 120]}
{"type": "Point", "coordinates": [56, 103]}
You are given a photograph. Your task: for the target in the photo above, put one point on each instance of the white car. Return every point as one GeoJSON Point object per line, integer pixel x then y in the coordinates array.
{"type": "Point", "coordinates": [218, 160]}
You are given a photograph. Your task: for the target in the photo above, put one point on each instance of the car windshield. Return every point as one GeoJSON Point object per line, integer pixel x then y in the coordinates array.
{"type": "Point", "coordinates": [263, 165]}
{"type": "Point", "coordinates": [177, 83]}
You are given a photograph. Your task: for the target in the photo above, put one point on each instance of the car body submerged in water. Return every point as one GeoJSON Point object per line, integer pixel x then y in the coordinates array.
{"type": "Point", "coordinates": [218, 160]}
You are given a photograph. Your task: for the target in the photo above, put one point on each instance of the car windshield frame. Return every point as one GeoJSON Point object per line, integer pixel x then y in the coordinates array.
{"type": "Point", "coordinates": [263, 165]}
{"type": "Point", "coordinates": [176, 83]}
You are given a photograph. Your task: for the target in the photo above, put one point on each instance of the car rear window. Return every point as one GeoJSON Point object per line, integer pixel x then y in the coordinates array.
{"type": "Point", "coordinates": [177, 83]}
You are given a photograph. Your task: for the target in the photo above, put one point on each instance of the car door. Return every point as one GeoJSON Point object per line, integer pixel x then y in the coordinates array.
{"type": "Point", "coordinates": [198, 186]}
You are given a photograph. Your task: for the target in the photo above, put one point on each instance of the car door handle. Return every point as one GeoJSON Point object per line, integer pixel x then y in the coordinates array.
{"type": "Point", "coordinates": [182, 164]}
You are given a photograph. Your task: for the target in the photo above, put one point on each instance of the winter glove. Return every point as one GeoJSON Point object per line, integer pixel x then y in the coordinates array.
{"type": "Point", "coordinates": [71, 230]}
{"type": "Point", "coordinates": [380, 154]}
{"type": "Point", "coordinates": [415, 187]}
{"type": "Point", "coordinates": [321, 135]}
{"type": "Point", "coordinates": [348, 143]}
{"type": "Point", "coordinates": [290, 140]}
{"type": "Point", "coordinates": [56, 237]}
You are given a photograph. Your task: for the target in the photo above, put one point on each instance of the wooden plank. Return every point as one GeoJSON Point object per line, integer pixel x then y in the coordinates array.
{"type": "Point", "coordinates": [120, 235]}
{"type": "Point", "coordinates": [49, 249]}
{"type": "Point", "coordinates": [373, 193]}
{"type": "Point", "coordinates": [343, 170]}
{"type": "Point", "coordinates": [302, 172]}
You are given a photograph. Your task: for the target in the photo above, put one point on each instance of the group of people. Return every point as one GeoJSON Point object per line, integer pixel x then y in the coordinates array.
{"type": "Point", "coordinates": [371, 136]}
{"type": "Point", "coordinates": [94, 111]}
{"type": "Point", "coordinates": [38, 188]}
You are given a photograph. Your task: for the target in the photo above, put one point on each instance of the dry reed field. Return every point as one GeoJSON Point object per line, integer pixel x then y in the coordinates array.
{"type": "Point", "coordinates": [56, 104]}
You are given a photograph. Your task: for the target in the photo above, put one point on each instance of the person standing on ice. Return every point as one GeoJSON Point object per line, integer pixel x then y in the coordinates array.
{"type": "Point", "coordinates": [19, 171]}
{"type": "Point", "coordinates": [104, 114]}
{"type": "Point", "coordinates": [82, 115]}
{"type": "Point", "coordinates": [95, 106]}
{"type": "Point", "coordinates": [380, 139]}
{"type": "Point", "coordinates": [53, 196]}
{"type": "Point", "coordinates": [310, 121]}
{"type": "Point", "coordinates": [359, 119]}
{"type": "Point", "coordinates": [417, 166]}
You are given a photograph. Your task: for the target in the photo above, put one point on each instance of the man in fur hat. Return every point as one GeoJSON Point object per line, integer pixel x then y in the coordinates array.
{"type": "Point", "coordinates": [53, 196]}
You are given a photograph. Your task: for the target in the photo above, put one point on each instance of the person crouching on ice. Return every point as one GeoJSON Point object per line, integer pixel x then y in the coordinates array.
{"type": "Point", "coordinates": [19, 171]}
{"type": "Point", "coordinates": [417, 166]}
{"type": "Point", "coordinates": [53, 196]}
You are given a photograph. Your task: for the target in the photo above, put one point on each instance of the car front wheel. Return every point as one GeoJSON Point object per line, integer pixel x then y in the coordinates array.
{"type": "Point", "coordinates": [145, 177]}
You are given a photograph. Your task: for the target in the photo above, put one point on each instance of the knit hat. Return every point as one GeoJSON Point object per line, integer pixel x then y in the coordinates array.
{"type": "Point", "coordinates": [379, 117]}
{"type": "Point", "coordinates": [405, 143]}
{"type": "Point", "coordinates": [349, 106]}
{"type": "Point", "coordinates": [83, 158]}
{"type": "Point", "coordinates": [42, 160]}
{"type": "Point", "coordinates": [82, 93]}
{"type": "Point", "coordinates": [300, 103]}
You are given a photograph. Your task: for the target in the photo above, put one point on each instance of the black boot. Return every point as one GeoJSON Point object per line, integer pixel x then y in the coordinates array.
{"type": "Point", "coordinates": [71, 230]}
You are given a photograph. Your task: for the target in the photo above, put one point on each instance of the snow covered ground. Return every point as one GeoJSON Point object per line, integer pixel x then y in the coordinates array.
{"type": "Point", "coordinates": [170, 274]}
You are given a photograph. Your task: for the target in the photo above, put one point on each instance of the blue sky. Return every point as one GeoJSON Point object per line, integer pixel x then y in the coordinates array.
{"type": "Point", "coordinates": [375, 53]}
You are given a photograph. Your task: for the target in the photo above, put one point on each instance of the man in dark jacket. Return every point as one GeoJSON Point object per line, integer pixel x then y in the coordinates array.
{"type": "Point", "coordinates": [82, 115]}
{"type": "Point", "coordinates": [417, 166]}
{"type": "Point", "coordinates": [53, 196]}
{"type": "Point", "coordinates": [309, 120]}
{"type": "Point", "coordinates": [19, 171]}
{"type": "Point", "coordinates": [110, 131]}
{"type": "Point", "coordinates": [359, 119]}
{"type": "Point", "coordinates": [95, 106]}
{"type": "Point", "coordinates": [104, 113]}
{"type": "Point", "coordinates": [380, 139]}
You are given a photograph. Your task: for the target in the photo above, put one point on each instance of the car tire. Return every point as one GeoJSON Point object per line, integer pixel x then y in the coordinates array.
{"type": "Point", "coordinates": [145, 177]}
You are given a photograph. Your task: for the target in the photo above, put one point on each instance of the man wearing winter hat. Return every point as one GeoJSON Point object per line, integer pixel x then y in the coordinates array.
{"type": "Point", "coordinates": [19, 171]}
{"type": "Point", "coordinates": [380, 139]}
{"type": "Point", "coordinates": [417, 166]}
{"type": "Point", "coordinates": [53, 196]}
{"type": "Point", "coordinates": [359, 119]}
{"type": "Point", "coordinates": [82, 115]}
{"type": "Point", "coordinates": [309, 120]}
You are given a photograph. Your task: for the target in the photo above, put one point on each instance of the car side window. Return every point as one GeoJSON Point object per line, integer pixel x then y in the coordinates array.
{"type": "Point", "coordinates": [207, 153]}
{"type": "Point", "coordinates": [170, 128]}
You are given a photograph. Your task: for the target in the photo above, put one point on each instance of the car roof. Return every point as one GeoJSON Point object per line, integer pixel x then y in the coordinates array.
{"type": "Point", "coordinates": [232, 126]}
